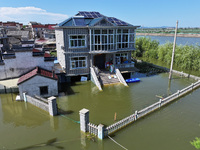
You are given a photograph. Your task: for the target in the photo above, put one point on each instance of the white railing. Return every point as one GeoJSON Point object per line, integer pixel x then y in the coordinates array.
{"type": "Point", "coordinates": [120, 124]}
{"type": "Point", "coordinates": [93, 129]}
{"type": "Point", "coordinates": [129, 65]}
{"type": "Point", "coordinates": [120, 77]}
{"type": "Point", "coordinates": [124, 122]}
{"type": "Point", "coordinates": [95, 79]}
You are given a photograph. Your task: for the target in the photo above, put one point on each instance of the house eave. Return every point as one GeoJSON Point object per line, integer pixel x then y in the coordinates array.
{"type": "Point", "coordinates": [94, 27]}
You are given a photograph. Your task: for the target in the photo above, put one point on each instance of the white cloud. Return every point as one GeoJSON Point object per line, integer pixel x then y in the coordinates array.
{"type": "Point", "coordinates": [27, 14]}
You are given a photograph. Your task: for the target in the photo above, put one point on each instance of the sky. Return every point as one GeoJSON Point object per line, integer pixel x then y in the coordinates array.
{"type": "Point", "coordinates": [145, 13]}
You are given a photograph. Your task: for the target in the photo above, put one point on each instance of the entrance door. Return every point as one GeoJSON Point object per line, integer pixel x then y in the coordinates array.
{"type": "Point", "coordinates": [99, 61]}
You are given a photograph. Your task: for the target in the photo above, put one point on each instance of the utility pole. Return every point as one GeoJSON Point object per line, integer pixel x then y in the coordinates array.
{"type": "Point", "coordinates": [172, 61]}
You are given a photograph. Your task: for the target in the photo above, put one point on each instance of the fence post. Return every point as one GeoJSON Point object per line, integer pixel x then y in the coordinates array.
{"type": "Point", "coordinates": [52, 106]}
{"type": "Point", "coordinates": [192, 86]}
{"type": "Point", "coordinates": [136, 115]}
{"type": "Point", "coordinates": [24, 97]}
{"type": "Point", "coordinates": [160, 102]}
{"type": "Point", "coordinates": [178, 92]}
{"type": "Point", "coordinates": [84, 119]}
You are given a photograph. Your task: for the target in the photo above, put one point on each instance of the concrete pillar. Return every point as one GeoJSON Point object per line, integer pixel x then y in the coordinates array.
{"type": "Point", "coordinates": [91, 60]}
{"type": "Point", "coordinates": [136, 115]}
{"type": "Point", "coordinates": [100, 131]}
{"type": "Point", "coordinates": [160, 102]}
{"type": "Point", "coordinates": [84, 119]}
{"type": "Point", "coordinates": [178, 92]}
{"type": "Point", "coordinates": [52, 106]}
{"type": "Point", "coordinates": [24, 97]}
{"type": "Point", "coordinates": [114, 61]}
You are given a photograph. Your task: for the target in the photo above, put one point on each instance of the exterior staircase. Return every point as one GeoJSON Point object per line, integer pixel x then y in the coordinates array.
{"type": "Point", "coordinates": [102, 77]}
{"type": "Point", "coordinates": [108, 78]}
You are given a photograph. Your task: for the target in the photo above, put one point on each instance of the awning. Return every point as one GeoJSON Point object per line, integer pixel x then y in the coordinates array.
{"type": "Point", "coordinates": [10, 83]}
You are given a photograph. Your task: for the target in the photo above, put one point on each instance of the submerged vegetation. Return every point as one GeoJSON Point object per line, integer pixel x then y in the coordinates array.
{"type": "Point", "coordinates": [186, 57]}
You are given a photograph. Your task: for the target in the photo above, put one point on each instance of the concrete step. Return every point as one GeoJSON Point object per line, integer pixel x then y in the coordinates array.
{"type": "Point", "coordinates": [104, 76]}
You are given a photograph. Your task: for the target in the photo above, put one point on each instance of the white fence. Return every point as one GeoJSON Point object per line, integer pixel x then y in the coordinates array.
{"type": "Point", "coordinates": [124, 122]}
{"type": "Point", "coordinates": [102, 132]}
{"type": "Point", "coordinates": [48, 105]}
{"type": "Point", "coordinates": [93, 129]}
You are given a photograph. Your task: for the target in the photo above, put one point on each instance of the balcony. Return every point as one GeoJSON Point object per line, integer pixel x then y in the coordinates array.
{"type": "Point", "coordinates": [125, 65]}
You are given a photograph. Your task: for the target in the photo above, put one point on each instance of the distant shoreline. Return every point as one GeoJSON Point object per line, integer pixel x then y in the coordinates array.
{"type": "Point", "coordinates": [164, 34]}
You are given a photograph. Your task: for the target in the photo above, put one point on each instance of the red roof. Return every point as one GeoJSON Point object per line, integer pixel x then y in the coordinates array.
{"type": "Point", "coordinates": [38, 26]}
{"type": "Point", "coordinates": [37, 71]}
{"type": "Point", "coordinates": [47, 55]}
{"type": "Point", "coordinates": [36, 50]}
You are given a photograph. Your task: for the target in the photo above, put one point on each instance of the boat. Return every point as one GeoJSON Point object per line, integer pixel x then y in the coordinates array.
{"type": "Point", "coordinates": [131, 80]}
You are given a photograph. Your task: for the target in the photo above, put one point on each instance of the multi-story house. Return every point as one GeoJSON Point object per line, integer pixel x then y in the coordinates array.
{"type": "Point", "coordinates": [91, 39]}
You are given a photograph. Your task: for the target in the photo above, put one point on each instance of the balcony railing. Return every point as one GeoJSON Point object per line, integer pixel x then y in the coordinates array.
{"type": "Point", "coordinates": [127, 65]}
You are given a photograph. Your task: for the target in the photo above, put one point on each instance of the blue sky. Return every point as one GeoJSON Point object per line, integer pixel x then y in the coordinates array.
{"type": "Point", "coordinates": [148, 13]}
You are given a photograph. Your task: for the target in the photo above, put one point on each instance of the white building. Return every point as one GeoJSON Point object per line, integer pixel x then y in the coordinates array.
{"type": "Point", "coordinates": [39, 82]}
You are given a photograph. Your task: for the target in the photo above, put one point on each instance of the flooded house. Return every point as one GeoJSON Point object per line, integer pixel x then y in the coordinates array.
{"type": "Point", "coordinates": [40, 82]}
{"type": "Point", "coordinates": [90, 40]}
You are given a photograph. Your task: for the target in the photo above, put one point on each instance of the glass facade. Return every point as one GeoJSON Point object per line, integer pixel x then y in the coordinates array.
{"type": "Point", "coordinates": [111, 39]}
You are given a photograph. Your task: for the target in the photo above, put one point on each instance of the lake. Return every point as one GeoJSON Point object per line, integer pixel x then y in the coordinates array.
{"type": "Point", "coordinates": [172, 127]}
{"type": "Point", "coordinates": [179, 40]}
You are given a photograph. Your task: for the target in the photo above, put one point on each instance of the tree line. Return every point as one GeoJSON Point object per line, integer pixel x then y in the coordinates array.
{"type": "Point", "coordinates": [186, 56]}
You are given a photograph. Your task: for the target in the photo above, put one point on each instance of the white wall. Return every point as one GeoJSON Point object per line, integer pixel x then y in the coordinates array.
{"type": "Point", "coordinates": [23, 63]}
{"type": "Point", "coordinates": [59, 45]}
{"type": "Point", "coordinates": [32, 86]}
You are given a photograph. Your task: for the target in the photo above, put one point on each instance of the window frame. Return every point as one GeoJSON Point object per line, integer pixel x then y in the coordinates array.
{"type": "Point", "coordinates": [44, 91]}
{"type": "Point", "coordinates": [77, 39]}
{"type": "Point", "coordinates": [78, 61]}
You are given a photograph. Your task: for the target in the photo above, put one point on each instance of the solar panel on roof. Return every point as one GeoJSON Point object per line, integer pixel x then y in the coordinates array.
{"type": "Point", "coordinates": [117, 21]}
{"type": "Point", "coordinates": [90, 14]}
{"type": "Point", "coordinates": [79, 21]}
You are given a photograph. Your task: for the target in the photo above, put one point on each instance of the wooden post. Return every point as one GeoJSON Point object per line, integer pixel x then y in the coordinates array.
{"type": "Point", "coordinates": [115, 117]}
{"type": "Point", "coordinates": [172, 61]}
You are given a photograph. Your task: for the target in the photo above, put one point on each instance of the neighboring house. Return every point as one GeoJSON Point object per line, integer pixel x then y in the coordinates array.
{"type": "Point", "coordinates": [21, 34]}
{"type": "Point", "coordinates": [92, 39]}
{"type": "Point", "coordinates": [43, 31]}
{"type": "Point", "coordinates": [12, 25]}
{"type": "Point", "coordinates": [22, 59]}
{"type": "Point", "coordinates": [3, 38]}
{"type": "Point", "coordinates": [39, 82]}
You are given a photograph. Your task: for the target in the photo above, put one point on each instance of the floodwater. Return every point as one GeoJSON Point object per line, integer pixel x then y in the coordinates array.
{"type": "Point", "coordinates": [179, 40]}
{"type": "Point", "coordinates": [23, 125]}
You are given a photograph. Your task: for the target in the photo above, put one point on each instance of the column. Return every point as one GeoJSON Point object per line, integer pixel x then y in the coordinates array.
{"type": "Point", "coordinates": [84, 119]}
{"type": "Point", "coordinates": [100, 131]}
{"type": "Point", "coordinates": [52, 106]}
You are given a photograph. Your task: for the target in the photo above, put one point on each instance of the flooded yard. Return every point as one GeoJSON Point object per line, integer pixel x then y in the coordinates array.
{"type": "Point", "coordinates": [24, 126]}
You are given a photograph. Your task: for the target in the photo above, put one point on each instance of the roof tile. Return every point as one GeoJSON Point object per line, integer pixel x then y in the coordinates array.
{"type": "Point", "coordinates": [37, 71]}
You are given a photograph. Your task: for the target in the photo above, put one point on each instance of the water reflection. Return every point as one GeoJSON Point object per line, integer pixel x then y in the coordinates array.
{"type": "Point", "coordinates": [20, 113]}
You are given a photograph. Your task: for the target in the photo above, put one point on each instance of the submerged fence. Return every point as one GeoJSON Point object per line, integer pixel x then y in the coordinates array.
{"type": "Point", "coordinates": [102, 132]}
{"type": "Point", "coordinates": [48, 105]}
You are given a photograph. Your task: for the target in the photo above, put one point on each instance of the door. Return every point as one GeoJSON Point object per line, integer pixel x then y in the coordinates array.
{"type": "Point", "coordinates": [99, 61]}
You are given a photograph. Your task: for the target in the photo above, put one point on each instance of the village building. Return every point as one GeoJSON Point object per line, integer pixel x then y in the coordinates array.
{"type": "Point", "coordinates": [91, 39]}
{"type": "Point", "coordinates": [42, 31]}
{"type": "Point", "coordinates": [40, 82]}
{"type": "Point", "coordinates": [20, 60]}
